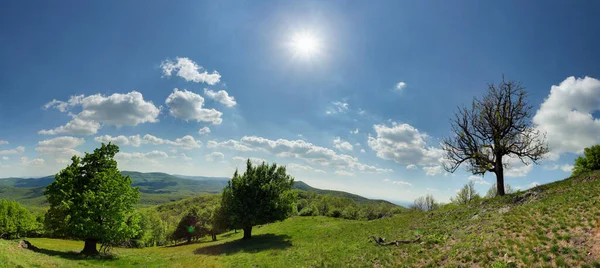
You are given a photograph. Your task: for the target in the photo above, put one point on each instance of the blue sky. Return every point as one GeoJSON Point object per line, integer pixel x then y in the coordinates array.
{"type": "Point", "coordinates": [113, 68]}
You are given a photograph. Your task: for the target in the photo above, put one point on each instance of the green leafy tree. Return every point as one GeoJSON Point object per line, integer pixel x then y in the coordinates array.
{"type": "Point", "coordinates": [493, 191]}
{"type": "Point", "coordinates": [153, 230]}
{"type": "Point", "coordinates": [466, 194]}
{"type": "Point", "coordinates": [192, 225]}
{"type": "Point", "coordinates": [261, 195]}
{"type": "Point", "coordinates": [92, 201]}
{"type": "Point", "coordinates": [218, 221]}
{"type": "Point", "coordinates": [493, 128]}
{"type": "Point", "coordinates": [589, 161]}
{"type": "Point", "coordinates": [15, 220]}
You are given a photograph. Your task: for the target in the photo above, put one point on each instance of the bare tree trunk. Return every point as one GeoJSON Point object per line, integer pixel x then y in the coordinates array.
{"type": "Point", "coordinates": [214, 237]}
{"type": "Point", "coordinates": [499, 176]}
{"type": "Point", "coordinates": [247, 232]}
{"type": "Point", "coordinates": [90, 247]}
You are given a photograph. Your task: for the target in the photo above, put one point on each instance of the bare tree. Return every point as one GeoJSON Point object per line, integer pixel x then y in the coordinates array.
{"type": "Point", "coordinates": [466, 194]}
{"type": "Point", "coordinates": [495, 126]}
{"type": "Point", "coordinates": [425, 203]}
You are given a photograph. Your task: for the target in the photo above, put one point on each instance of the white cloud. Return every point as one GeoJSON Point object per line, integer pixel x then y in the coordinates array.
{"type": "Point", "coordinates": [221, 96]}
{"type": "Point", "coordinates": [533, 184]}
{"type": "Point", "coordinates": [361, 111]}
{"type": "Point", "coordinates": [141, 156]}
{"type": "Point", "coordinates": [343, 173]}
{"type": "Point", "coordinates": [411, 166]}
{"type": "Point", "coordinates": [33, 162]}
{"type": "Point", "coordinates": [404, 144]}
{"type": "Point", "coordinates": [186, 142]}
{"type": "Point", "coordinates": [568, 111]}
{"type": "Point", "coordinates": [341, 106]}
{"type": "Point", "coordinates": [5, 158]}
{"type": "Point", "coordinates": [363, 151]}
{"type": "Point", "coordinates": [400, 86]}
{"type": "Point", "coordinates": [516, 168]}
{"type": "Point", "coordinates": [478, 180]}
{"type": "Point", "coordinates": [214, 157]}
{"type": "Point", "coordinates": [565, 167]}
{"type": "Point", "coordinates": [120, 140]}
{"type": "Point", "coordinates": [184, 157]}
{"type": "Point", "coordinates": [342, 145]}
{"type": "Point", "coordinates": [253, 160]}
{"type": "Point", "coordinates": [76, 126]}
{"type": "Point", "coordinates": [203, 131]}
{"type": "Point", "coordinates": [60, 148]}
{"type": "Point", "coordinates": [3, 142]}
{"type": "Point", "coordinates": [18, 150]}
{"type": "Point", "coordinates": [433, 170]}
{"type": "Point", "coordinates": [128, 109]}
{"type": "Point", "coordinates": [187, 105]}
{"type": "Point", "coordinates": [190, 71]}
{"type": "Point", "coordinates": [354, 131]}
{"type": "Point", "coordinates": [403, 183]}
{"type": "Point", "coordinates": [298, 167]}
{"type": "Point", "coordinates": [230, 144]}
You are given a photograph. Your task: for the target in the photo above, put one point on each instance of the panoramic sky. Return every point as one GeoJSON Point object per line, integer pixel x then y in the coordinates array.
{"type": "Point", "coordinates": [349, 95]}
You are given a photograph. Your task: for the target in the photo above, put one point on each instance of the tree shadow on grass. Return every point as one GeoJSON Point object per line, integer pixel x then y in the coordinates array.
{"type": "Point", "coordinates": [74, 255]}
{"type": "Point", "coordinates": [255, 244]}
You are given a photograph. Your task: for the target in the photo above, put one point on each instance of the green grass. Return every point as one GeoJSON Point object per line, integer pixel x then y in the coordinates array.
{"type": "Point", "coordinates": [557, 226]}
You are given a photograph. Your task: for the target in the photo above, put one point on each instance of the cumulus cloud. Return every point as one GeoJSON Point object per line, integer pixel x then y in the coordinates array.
{"type": "Point", "coordinates": [478, 180]}
{"type": "Point", "coordinates": [190, 71]}
{"type": "Point", "coordinates": [128, 109]}
{"type": "Point", "coordinates": [515, 167]}
{"type": "Point", "coordinates": [354, 131]}
{"type": "Point", "coordinates": [18, 150]}
{"type": "Point", "coordinates": [141, 156]}
{"type": "Point", "coordinates": [230, 144]}
{"type": "Point", "coordinates": [214, 157]}
{"type": "Point", "coordinates": [342, 145]}
{"type": "Point", "coordinates": [188, 105]}
{"type": "Point", "coordinates": [3, 142]}
{"type": "Point", "coordinates": [404, 144]}
{"type": "Point", "coordinates": [411, 166]}
{"type": "Point", "coordinates": [403, 183]}
{"type": "Point", "coordinates": [433, 170]}
{"type": "Point", "coordinates": [567, 112]}
{"type": "Point", "coordinates": [186, 142]}
{"type": "Point", "coordinates": [400, 86]}
{"type": "Point", "coordinates": [184, 157]}
{"type": "Point", "coordinates": [203, 131]}
{"type": "Point", "coordinates": [221, 96]}
{"type": "Point", "coordinates": [120, 140]}
{"type": "Point", "coordinates": [363, 151]}
{"type": "Point", "coordinates": [253, 160]}
{"type": "Point", "coordinates": [33, 162]}
{"type": "Point", "coordinates": [297, 167]}
{"type": "Point", "coordinates": [60, 148]}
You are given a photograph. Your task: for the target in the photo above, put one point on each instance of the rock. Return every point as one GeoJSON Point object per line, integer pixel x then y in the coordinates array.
{"type": "Point", "coordinates": [26, 244]}
{"type": "Point", "coordinates": [504, 210]}
{"type": "Point", "coordinates": [476, 216]}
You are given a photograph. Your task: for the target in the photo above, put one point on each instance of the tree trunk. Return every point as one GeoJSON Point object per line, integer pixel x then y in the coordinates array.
{"type": "Point", "coordinates": [499, 176]}
{"type": "Point", "coordinates": [214, 237]}
{"type": "Point", "coordinates": [90, 247]}
{"type": "Point", "coordinates": [189, 239]}
{"type": "Point", "coordinates": [247, 232]}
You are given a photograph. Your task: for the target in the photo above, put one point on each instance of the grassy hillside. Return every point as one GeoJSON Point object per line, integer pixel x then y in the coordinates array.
{"type": "Point", "coordinates": [548, 226]}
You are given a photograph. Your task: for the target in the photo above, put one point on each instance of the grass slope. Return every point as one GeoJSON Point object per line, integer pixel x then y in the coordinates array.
{"type": "Point", "coordinates": [554, 225]}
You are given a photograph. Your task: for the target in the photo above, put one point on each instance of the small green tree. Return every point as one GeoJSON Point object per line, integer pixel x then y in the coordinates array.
{"type": "Point", "coordinates": [15, 220]}
{"type": "Point", "coordinates": [261, 195]}
{"type": "Point", "coordinates": [493, 191]}
{"type": "Point", "coordinates": [425, 203]}
{"type": "Point", "coordinates": [218, 221]}
{"type": "Point", "coordinates": [193, 225]}
{"type": "Point", "coordinates": [91, 200]}
{"type": "Point", "coordinates": [589, 161]}
{"type": "Point", "coordinates": [153, 230]}
{"type": "Point", "coordinates": [466, 194]}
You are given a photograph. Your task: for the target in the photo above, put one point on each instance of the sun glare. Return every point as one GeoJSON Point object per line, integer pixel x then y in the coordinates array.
{"type": "Point", "coordinates": [305, 44]}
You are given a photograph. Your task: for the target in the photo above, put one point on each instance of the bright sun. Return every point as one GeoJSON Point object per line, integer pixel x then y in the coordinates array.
{"type": "Point", "coordinates": [304, 44]}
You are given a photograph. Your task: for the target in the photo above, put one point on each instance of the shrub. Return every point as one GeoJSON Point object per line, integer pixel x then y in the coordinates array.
{"type": "Point", "coordinates": [425, 203]}
{"type": "Point", "coordinates": [589, 161]}
{"type": "Point", "coordinates": [15, 220]}
{"type": "Point", "coordinates": [466, 194]}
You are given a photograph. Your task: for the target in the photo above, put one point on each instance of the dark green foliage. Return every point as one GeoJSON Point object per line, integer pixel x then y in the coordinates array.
{"type": "Point", "coordinates": [15, 220]}
{"type": "Point", "coordinates": [91, 200]}
{"type": "Point", "coordinates": [261, 195]}
{"type": "Point", "coordinates": [588, 162]}
{"type": "Point", "coordinates": [313, 204]}
{"type": "Point", "coordinates": [193, 225]}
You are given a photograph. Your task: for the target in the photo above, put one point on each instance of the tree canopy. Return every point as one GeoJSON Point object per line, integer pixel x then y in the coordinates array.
{"type": "Point", "coordinates": [589, 161]}
{"type": "Point", "coordinates": [91, 200]}
{"type": "Point", "coordinates": [261, 195]}
{"type": "Point", "coordinates": [15, 220]}
{"type": "Point", "coordinates": [494, 127]}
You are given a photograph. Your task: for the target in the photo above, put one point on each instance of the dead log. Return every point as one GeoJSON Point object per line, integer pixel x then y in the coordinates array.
{"type": "Point", "coordinates": [381, 241]}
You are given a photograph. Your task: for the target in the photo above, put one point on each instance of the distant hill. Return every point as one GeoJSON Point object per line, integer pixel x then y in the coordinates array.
{"type": "Point", "coordinates": [155, 188]}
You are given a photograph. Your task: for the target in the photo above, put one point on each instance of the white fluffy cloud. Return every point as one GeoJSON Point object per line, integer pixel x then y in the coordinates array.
{"type": "Point", "coordinates": [341, 107]}
{"type": "Point", "coordinates": [342, 145]}
{"type": "Point", "coordinates": [141, 156]}
{"type": "Point", "coordinates": [516, 168]}
{"type": "Point", "coordinates": [120, 140]}
{"type": "Point", "coordinates": [188, 105]}
{"type": "Point", "coordinates": [214, 157]}
{"type": "Point", "coordinates": [411, 166]}
{"type": "Point", "coordinates": [190, 71]}
{"type": "Point", "coordinates": [221, 96]}
{"type": "Point", "coordinates": [60, 148]}
{"type": "Point", "coordinates": [400, 86]}
{"type": "Point", "coordinates": [128, 109]}
{"type": "Point", "coordinates": [33, 162]}
{"type": "Point", "coordinates": [403, 183]}
{"type": "Point", "coordinates": [297, 167]}
{"type": "Point", "coordinates": [404, 144]}
{"type": "Point", "coordinates": [433, 170]}
{"type": "Point", "coordinates": [478, 180]}
{"type": "Point", "coordinates": [298, 149]}
{"type": "Point", "coordinates": [567, 112]}
{"type": "Point", "coordinates": [204, 131]}
{"type": "Point", "coordinates": [565, 167]}
{"type": "Point", "coordinates": [18, 150]}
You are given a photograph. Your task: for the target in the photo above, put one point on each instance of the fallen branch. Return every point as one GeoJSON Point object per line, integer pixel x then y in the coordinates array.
{"type": "Point", "coordinates": [381, 241]}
